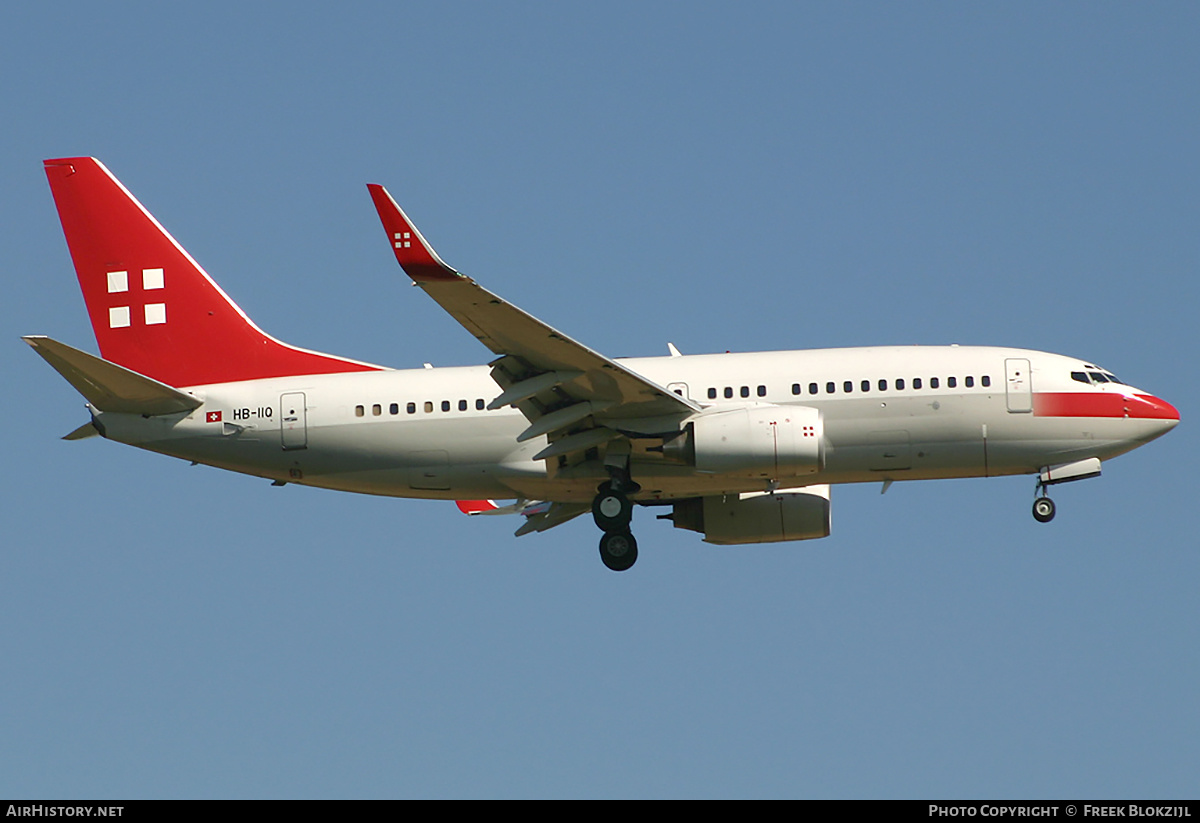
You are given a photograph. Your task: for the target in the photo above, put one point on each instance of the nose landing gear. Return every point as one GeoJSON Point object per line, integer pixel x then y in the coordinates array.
{"type": "Point", "coordinates": [1043, 509]}
{"type": "Point", "coordinates": [1043, 506]}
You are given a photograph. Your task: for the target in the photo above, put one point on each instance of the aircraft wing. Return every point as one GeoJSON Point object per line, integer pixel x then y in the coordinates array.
{"type": "Point", "coordinates": [576, 396]}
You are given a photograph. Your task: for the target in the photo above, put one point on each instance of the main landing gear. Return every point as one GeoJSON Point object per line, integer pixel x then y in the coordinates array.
{"type": "Point", "coordinates": [618, 550]}
{"type": "Point", "coordinates": [613, 512]}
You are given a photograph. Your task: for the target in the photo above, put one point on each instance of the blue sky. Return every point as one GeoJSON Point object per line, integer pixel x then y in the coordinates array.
{"type": "Point", "coordinates": [776, 176]}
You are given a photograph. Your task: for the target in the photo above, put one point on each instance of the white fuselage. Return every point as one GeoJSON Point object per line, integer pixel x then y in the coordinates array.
{"type": "Point", "coordinates": [426, 432]}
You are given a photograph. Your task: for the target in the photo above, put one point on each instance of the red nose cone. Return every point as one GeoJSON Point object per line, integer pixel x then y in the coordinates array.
{"type": "Point", "coordinates": [1155, 408]}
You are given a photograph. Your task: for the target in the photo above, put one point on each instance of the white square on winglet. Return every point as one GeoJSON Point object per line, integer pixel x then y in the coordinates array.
{"type": "Point", "coordinates": [118, 317]}
{"type": "Point", "coordinates": [156, 313]}
{"type": "Point", "coordinates": [118, 281]}
{"type": "Point", "coordinates": [152, 278]}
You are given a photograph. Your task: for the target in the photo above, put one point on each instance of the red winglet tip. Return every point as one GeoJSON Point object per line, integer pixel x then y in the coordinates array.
{"type": "Point", "coordinates": [413, 253]}
{"type": "Point", "coordinates": [475, 506]}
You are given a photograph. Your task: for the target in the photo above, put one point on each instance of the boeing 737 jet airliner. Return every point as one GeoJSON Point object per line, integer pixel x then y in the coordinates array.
{"type": "Point", "coordinates": [742, 448]}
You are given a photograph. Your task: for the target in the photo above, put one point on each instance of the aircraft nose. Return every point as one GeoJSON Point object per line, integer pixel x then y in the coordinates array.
{"type": "Point", "coordinates": [1149, 407]}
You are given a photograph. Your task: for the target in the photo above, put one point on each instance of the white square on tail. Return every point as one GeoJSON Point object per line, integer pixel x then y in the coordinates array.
{"type": "Point", "coordinates": [118, 281]}
{"type": "Point", "coordinates": [152, 279]}
{"type": "Point", "coordinates": [118, 317]}
{"type": "Point", "coordinates": [156, 313]}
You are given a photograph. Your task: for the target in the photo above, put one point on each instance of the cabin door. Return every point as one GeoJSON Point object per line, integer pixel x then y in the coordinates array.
{"type": "Point", "coordinates": [1017, 385]}
{"type": "Point", "coordinates": [293, 421]}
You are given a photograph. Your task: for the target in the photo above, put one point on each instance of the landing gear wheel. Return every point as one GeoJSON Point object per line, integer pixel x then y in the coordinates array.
{"type": "Point", "coordinates": [618, 550]}
{"type": "Point", "coordinates": [611, 510]}
{"type": "Point", "coordinates": [1043, 510]}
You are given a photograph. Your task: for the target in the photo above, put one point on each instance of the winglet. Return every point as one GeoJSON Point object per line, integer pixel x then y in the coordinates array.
{"type": "Point", "coordinates": [415, 255]}
{"type": "Point", "coordinates": [476, 506]}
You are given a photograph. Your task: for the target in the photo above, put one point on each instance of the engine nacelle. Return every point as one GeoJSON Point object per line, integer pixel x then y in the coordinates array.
{"type": "Point", "coordinates": [760, 440]}
{"type": "Point", "coordinates": [757, 517]}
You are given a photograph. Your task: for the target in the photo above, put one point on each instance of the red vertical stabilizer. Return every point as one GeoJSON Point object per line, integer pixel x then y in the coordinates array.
{"type": "Point", "coordinates": [153, 309]}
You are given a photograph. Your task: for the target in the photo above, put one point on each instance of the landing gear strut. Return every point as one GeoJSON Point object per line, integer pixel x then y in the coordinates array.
{"type": "Point", "coordinates": [613, 512]}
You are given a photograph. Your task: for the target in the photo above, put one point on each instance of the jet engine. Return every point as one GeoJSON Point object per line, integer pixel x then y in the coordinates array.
{"type": "Point", "coordinates": [760, 440]}
{"type": "Point", "coordinates": [757, 517]}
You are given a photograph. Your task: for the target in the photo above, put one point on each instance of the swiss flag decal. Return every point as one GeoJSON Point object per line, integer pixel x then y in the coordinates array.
{"type": "Point", "coordinates": [212, 417]}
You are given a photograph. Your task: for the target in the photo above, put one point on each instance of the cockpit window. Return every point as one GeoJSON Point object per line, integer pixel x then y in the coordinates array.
{"type": "Point", "coordinates": [1096, 377]}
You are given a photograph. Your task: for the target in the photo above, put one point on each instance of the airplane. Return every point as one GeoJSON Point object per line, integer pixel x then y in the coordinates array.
{"type": "Point", "coordinates": [740, 447]}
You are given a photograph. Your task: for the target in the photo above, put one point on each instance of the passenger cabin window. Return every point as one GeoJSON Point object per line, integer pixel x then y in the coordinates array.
{"type": "Point", "coordinates": [883, 385]}
{"type": "Point", "coordinates": [933, 382]}
{"type": "Point", "coordinates": [745, 392]}
{"type": "Point", "coordinates": [712, 394]}
{"type": "Point", "coordinates": [445, 405]}
{"type": "Point", "coordinates": [830, 387]}
{"type": "Point", "coordinates": [812, 388]}
{"type": "Point", "coordinates": [848, 386]}
{"type": "Point", "coordinates": [394, 408]}
{"type": "Point", "coordinates": [762, 391]}
{"type": "Point", "coordinates": [728, 391]}
{"type": "Point", "coordinates": [359, 411]}
{"type": "Point", "coordinates": [479, 405]}
{"type": "Point", "coordinates": [429, 407]}
{"type": "Point", "coordinates": [985, 381]}
{"type": "Point", "coordinates": [795, 388]}
{"type": "Point", "coordinates": [462, 405]}
{"type": "Point", "coordinates": [411, 408]}
{"type": "Point", "coordinates": [970, 382]}
{"type": "Point", "coordinates": [376, 410]}
{"type": "Point", "coordinates": [866, 385]}
{"type": "Point", "coordinates": [916, 382]}
{"type": "Point", "coordinates": [951, 382]}
{"type": "Point", "coordinates": [899, 384]}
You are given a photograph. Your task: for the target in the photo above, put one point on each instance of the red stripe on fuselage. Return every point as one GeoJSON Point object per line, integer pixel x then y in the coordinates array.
{"type": "Point", "coordinates": [1102, 404]}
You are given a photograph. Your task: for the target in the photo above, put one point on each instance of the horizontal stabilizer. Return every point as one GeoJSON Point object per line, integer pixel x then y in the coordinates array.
{"type": "Point", "coordinates": [109, 387]}
{"type": "Point", "coordinates": [85, 431]}
{"type": "Point", "coordinates": [556, 515]}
